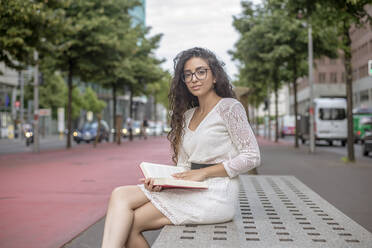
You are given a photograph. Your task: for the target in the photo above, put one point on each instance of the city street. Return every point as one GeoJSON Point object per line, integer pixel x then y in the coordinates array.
{"type": "Point", "coordinates": [335, 148]}
{"type": "Point", "coordinates": [48, 199]}
{"type": "Point", "coordinates": [129, 70]}
{"type": "Point", "coordinates": [8, 146]}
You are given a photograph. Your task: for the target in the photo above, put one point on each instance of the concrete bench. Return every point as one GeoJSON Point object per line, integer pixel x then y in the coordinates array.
{"type": "Point", "coordinates": [274, 211]}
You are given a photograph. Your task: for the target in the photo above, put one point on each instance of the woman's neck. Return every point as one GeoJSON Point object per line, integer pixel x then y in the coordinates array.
{"type": "Point", "coordinates": [207, 102]}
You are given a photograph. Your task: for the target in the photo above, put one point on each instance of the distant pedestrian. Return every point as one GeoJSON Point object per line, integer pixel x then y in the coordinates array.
{"type": "Point", "coordinates": [130, 128]}
{"type": "Point", "coordinates": [144, 127]}
{"type": "Point", "coordinates": [210, 136]}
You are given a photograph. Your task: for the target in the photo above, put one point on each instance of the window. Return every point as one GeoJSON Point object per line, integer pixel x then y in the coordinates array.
{"type": "Point", "coordinates": [322, 77]}
{"type": "Point", "coordinates": [333, 78]}
{"type": "Point", "coordinates": [343, 77]}
{"type": "Point", "coordinates": [332, 114]}
{"type": "Point", "coordinates": [333, 61]}
{"type": "Point", "coordinates": [363, 71]}
{"type": "Point", "coordinates": [364, 96]}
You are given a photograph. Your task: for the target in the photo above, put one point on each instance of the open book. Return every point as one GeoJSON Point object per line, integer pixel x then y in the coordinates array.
{"type": "Point", "coordinates": [163, 176]}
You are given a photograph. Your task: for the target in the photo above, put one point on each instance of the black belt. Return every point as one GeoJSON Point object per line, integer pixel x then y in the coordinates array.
{"type": "Point", "coordinates": [195, 166]}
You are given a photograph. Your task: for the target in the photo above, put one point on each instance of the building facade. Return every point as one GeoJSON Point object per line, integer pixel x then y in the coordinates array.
{"type": "Point", "coordinates": [361, 53]}
{"type": "Point", "coordinates": [8, 95]}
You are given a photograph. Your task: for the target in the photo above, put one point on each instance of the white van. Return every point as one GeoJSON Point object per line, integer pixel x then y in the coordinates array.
{"type": "Point", "coordinates": [330, 119]}
{"type": "Point", "coordinates": [287, 125]}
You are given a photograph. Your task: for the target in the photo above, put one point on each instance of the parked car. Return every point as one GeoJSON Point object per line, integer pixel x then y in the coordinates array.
{"type": "Point", "coordinates": [88, 132]}
{"type": "Point", "coordinates": [360, 115]}
{"type": "Point", "coordinates": [367, 138]}
{"type": "Point", "coordinates": [155, 128]}
{"type": "Point", "coordinates": [136, 129]}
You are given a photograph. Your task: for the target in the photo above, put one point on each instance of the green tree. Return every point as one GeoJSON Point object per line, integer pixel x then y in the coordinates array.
{"type": "Point", "coordinates": [91, 35]}
{"type": "Point", "coordinates": [144, 67]}
{"type": "Point", "coordinates": [273, 49]}
{"type": "Point", "coordinates": [342, 15]}
{"type": "Point", "coordinates": [77, 103]}
{"type": "Point", "coordinates": [52, 93]}
{"type": "Point", "coordinates": [26, 26]}
{"type": "Point", "coordinates": [262, 51]}
{"type": "Point", "coordinates": [159, 90]}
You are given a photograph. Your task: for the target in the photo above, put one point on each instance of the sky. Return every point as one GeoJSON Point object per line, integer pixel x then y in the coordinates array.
{"type": "Point", "coordinates": [189, 23]}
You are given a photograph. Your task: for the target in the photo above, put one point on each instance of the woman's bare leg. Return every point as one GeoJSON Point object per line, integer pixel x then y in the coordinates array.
{"type": "Point", "coordinates": [146, 217]}
{"type": "Point", "coordinates": [120, 213]}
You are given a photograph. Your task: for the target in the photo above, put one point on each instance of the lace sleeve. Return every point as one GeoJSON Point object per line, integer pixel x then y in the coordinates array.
{"type": "Point", "coordinates": [243, 138]}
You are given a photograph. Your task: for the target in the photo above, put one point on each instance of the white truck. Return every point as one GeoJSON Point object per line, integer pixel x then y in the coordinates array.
{"type": "Point", "coordinates": [287, 125]}
{"type": "Point", "coordinates": [330, 123]}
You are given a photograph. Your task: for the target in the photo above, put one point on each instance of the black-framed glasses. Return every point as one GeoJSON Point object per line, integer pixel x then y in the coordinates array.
{"type": "Point", "coordinates": [200, 74]}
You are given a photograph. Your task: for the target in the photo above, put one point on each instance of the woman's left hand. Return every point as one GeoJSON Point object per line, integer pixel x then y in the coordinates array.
{"type": "Point", "coordinates": [192, 175]}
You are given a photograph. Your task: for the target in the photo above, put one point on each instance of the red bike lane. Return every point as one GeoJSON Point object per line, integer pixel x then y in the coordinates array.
{"type": "Point", "coordinates": [47, 199]}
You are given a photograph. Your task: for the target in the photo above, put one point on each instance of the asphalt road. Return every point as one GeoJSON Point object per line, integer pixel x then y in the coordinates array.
{"type": "Point", "coordinates": [55, 142]}
{"type": "Point", "coordinates": [335, 148]}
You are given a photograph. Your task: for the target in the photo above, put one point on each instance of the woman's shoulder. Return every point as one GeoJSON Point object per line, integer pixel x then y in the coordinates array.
{"type": "Point", "coordinates": [226, 104]}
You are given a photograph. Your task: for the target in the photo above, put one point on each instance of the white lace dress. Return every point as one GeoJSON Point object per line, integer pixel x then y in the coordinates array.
{"type": "Point", "coordinates": [223, 136]}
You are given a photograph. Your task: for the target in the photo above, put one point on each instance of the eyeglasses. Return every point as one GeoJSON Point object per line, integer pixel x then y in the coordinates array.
{"type": "Point", "coordinates": [200, 74]}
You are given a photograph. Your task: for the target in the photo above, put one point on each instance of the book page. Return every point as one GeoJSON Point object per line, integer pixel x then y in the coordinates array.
{"type": "Point", "coordinates": [159, 170]}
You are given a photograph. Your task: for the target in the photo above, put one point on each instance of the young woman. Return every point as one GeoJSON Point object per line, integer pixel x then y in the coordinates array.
{"type": "Point", "coordinates": [211, 136]}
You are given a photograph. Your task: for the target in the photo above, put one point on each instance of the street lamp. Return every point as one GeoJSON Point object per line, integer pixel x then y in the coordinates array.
{"type": "Point", "coordinates": [311, 86]}
{"type": "Point", "coordinates": [311, 82]}
{"type": "Point", "coordinates": [36, 103]}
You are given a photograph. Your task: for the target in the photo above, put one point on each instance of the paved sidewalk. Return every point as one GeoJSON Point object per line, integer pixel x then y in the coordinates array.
{"type": "Point", "coordinates": [347, 186]}
{"type": "Point", "coordinates": [49, 198]}
{"type": "Point", "coordinates": [52, 142]}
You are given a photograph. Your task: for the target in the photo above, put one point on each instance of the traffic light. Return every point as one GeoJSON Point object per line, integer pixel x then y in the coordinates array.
{"type": "Point", "coordinates": [370, 67]}
{"type": "Point", "coordinates": [266, 103]}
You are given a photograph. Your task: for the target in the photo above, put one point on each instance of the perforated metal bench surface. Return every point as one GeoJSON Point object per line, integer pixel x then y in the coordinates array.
{"type": "Point", "coordinates": [274, 211]}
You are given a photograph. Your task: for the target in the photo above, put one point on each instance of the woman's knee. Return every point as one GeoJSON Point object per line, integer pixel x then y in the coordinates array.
{"type": "Point", "coordinates": [128, 196]}
{"type": "Point", "coordinates": [148, 217]}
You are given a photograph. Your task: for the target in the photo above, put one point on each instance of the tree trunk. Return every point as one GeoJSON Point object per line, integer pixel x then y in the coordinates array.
{"type": "Point", "coordinates": [276, 86]}
{"type": "Point", "coordinates": [98, 130]}
{"type": "Point", "coordinates": [257, 120]}
{"type": "Point", "coordinates": [349, 91]}
{"type": "Point", "coordinates": [268, 113]}
{"type": "Point", "coordinates": [114, 114]}
{"type": "Point", "coordinates": [295, 101]}
{"type": "Point", "coordinates": [131, 113]}
{"type": "Point", "coordinates": [69, 105]}
{"type": "Point", "coordinates": [155, 111]}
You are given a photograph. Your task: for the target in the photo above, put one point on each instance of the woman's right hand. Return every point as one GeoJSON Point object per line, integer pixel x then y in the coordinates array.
{"type": "Point", "coordinates": [149, 185]}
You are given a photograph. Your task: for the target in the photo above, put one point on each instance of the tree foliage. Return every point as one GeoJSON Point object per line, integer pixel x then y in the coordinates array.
{"type": "Point", "coordinates": [342, 15]}
{"type": "Point", "coordinates": [84, 40]}
{"type": "Point", "coordinates": [26, 26]}
{"type": "Point", "coordinates": [91, 102]}
{"type": "Point", "coordinates": [272, 49]}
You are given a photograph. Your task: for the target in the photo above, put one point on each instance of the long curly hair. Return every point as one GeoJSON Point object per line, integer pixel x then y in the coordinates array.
{"type": "Point", "coordinates": [180, 98]}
